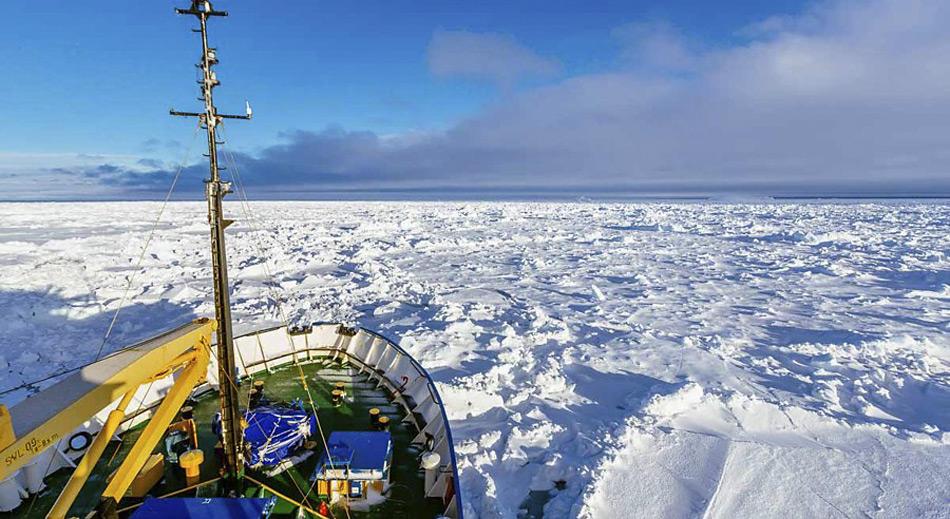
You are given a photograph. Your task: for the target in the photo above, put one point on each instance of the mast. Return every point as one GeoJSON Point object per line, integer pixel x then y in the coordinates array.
{"type": "Point", "coordinates": [215, 189]}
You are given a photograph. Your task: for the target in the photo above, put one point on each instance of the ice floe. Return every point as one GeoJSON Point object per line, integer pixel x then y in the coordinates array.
{"type": "Point", "coordinates": [596, 360]}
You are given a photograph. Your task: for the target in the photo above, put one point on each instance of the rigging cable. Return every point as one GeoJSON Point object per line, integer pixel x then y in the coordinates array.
{"type": "Point", "coordinates": [128, 287]}
{"type": "Point", "coordinates": [246, 208]}
{"type": "Point", "coordinates": [148, 241]}
{"type": "Point", "coordinates": [261, 428]}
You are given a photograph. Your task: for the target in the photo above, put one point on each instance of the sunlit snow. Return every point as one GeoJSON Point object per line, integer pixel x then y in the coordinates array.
{"type": "Point", "coordinates": [659, 359]}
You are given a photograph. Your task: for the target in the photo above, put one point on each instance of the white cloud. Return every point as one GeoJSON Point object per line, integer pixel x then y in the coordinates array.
{"type": "Point", "coordinates": [847, 97]}
{"type": "Point", "coordinates": [656, 45]}
{"type": "Point", "coordinates": [497, 58]}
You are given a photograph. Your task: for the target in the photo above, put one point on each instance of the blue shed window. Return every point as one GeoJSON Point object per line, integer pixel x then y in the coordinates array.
{"type": "Point", "coordinates": [356, 488]}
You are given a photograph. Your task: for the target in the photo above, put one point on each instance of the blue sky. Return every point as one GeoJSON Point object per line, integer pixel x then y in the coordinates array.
{"type": "Point", "coordinates": [459, 96]}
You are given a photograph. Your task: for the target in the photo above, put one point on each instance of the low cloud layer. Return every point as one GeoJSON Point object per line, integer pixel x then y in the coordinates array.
{"type": "Point", "coordinates": [850, 97]}
{"type": "Point", "coordinates": [496, 58]}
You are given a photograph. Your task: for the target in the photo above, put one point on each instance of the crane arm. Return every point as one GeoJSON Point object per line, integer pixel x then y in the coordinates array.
{"type": "Point", "coordinates": [42, 420]}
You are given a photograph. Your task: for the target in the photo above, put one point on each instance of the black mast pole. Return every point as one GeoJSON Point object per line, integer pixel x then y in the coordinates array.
{"type": "Point", "coordinates": [232, 434]}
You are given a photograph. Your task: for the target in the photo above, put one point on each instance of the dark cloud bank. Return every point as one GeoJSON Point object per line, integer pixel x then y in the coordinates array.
{"type": "Point", "coordinates": [848, 98]}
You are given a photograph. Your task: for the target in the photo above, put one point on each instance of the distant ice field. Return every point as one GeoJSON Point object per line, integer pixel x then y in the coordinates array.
{"type": "Point", "coordinates": [597, 360]}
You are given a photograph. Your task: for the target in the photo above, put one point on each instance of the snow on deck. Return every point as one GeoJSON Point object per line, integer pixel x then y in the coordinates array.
{"type": "Point", "coordinates": [675, 360]}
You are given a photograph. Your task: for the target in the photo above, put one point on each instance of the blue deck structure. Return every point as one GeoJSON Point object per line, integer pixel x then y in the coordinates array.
{"type": "Point", "coordinates": [205, 508]}
{"type": "Point", "coordinates": [360, 458]}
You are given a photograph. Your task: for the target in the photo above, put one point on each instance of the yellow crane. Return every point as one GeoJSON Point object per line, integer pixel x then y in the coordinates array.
{"type": "Point", "coordinates": [41, 421]}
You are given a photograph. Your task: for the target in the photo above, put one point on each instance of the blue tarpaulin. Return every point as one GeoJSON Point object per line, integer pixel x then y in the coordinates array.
{"type": "Point", "coordinates": [204, 508]}
{"type": "Point", "coordinates": [274, 432]}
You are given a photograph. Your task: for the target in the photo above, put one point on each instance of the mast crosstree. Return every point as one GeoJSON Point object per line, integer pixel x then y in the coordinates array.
{"type": "Point", "coordinates": [232, 435]}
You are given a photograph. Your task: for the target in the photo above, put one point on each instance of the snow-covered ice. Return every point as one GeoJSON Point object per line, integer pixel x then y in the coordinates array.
{"type": "Point", "coordinates": [655, 359]}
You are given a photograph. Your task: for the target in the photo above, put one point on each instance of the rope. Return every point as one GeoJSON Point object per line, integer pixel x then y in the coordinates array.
{"type": "Point", "coordinates": [148, 241]}
{"type": "Point", "coordinates": [128, 287]}
{"type": "Point", "coordinates": [294, 481]}
{"type": "Point", "coordinates": [44, 379]}
{"type": "Point", "coordinates": [245, 206]}
{"type": "Point", "coordinates": [285, 498]}
{"type": "Point", "coordinates": [232, 383]}
{"type": "Point", "coordinates": [171, 189]}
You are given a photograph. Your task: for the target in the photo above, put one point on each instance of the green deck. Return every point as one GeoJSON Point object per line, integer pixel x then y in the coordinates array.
{"type": "Point", "coordinates": [405, 496]}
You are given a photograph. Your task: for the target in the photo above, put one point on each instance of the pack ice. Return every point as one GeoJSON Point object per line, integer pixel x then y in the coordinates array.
{"type": "Point", "coordinates": [596, 360]}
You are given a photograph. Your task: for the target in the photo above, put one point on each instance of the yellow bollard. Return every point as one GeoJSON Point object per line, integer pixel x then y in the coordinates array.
{"type": "Point", "coordinates": [191, 462]}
